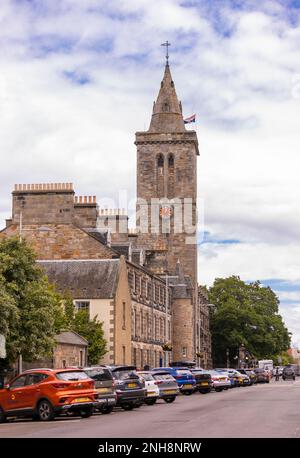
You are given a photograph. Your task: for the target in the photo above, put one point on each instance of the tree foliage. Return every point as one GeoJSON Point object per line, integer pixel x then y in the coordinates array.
{"type": "Point", "coordinates": [91, 330]}
{"type": "Point", "coordinates": [246, 314]}
{"type": "Point", "coordinates": [29, 306]}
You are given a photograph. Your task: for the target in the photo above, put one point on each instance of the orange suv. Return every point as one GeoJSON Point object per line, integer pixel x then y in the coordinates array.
{"type": "Point", "coordinates": [46, 393]}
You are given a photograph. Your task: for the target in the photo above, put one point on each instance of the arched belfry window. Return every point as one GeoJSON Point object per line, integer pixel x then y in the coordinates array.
{"type": "Point", "coordinates": [160, 175]}
{"type": "Point", "coordinates": [166, 106]}
{"type": "Point", "coordinates": [171, 176]}
{"type": "Point", "coordinates": [171, 160]}
{"type": "Point", "coordinates": [160, 161]}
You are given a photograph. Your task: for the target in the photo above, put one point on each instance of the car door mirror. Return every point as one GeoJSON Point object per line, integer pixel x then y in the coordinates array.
{"type": "Point", "coordinates": [7, 386]}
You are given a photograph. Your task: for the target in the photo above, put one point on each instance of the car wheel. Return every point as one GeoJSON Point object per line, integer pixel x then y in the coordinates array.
{"type": "Point", "coordinates": [107, 409]}
{"type": "Point", "coordinates": [86, 413]}
{"type": "Point", "coordinates": [45, 411]}
{"type": "Point", "coordinates": [169, 400]}
{"type": "Point", "coordinates": [218, 390]}
{"type": "Point", "coordinates": [127, 406]}
{"type": "Point", "coordinates": [150, 402]}
{"type": "Point", "coordinates": [2, 416]}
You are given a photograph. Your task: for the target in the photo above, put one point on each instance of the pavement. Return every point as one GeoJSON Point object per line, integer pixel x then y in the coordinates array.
{"type": "Point", "coordinates": [260, 411]}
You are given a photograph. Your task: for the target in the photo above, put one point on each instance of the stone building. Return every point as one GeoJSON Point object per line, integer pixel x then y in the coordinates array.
{"type": "Point", "coordinates": [71, 350]}
{"type": "Point", "coordinates": [77, 243]}
{"type": "Point", "coordinates": [203, 331]}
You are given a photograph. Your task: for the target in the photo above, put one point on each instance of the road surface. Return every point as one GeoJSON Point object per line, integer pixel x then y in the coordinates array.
{"type": "Point", "coordinates": [269, 410]}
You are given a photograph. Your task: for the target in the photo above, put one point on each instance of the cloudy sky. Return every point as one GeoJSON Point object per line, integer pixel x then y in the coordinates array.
{"type": "Point", "coordinates": [78, 78]}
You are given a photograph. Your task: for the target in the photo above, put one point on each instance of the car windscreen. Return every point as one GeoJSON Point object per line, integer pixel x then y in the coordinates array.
{"type": "Point", "coordinates": [72, 375]}
{"type": "Point", "coordinates": [125, 374]}
{"type": "Point", "coordinates": [99, 374]}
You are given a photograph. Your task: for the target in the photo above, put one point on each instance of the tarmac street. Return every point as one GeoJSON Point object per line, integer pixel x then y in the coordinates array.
{"type": "Point", "coordinates": [260, 411]}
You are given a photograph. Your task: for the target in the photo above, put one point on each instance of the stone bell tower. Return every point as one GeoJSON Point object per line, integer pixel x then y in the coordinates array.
{"type": "Point", "coordinates": [167, 210]}
{"type": "Point", "coordinates": [167, 172]}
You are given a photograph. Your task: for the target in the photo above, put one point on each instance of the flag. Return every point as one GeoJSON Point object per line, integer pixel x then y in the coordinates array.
{"type": "Point", "coordinates": [190, 119]}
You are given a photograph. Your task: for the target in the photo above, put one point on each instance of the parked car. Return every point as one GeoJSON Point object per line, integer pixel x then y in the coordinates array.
{"type": "Point", "coordinates": [250, 373]}
{"type": "Point", "coordinates": [236, 378]}
{"type": "Point", "coordinates": [231, 376]}
{"type": "Point", "coordinates": [288, 373]}
{"type": "Point", "coordinates": [244, 379]}
{"type": "Point", "coordinates": [167, 385]}
{"type": "Point", "coordinates": [262, 375]}
{"type": "Point", "coordinates": [183, 376]}
{"type": "Point", "coordinates": [46, 393]}
{"type": "Point", "coordinates": [152, 391]}
{"type": "Point", "coordinates": [204, 382]}
{"type": "Point", "coordinates": [104, 385]}
{"type": "Point", "coordinates": [129, 387]}
{"type": "Point", "coordinates": [220, 381]}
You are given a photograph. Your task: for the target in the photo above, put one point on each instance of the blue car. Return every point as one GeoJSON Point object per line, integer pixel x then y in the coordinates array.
{"type": "Point", "coordinates": [183, 376]}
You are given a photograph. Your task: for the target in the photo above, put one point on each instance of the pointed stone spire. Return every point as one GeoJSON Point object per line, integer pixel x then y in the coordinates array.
{"type": "Point", "coordinates": [167, 113]}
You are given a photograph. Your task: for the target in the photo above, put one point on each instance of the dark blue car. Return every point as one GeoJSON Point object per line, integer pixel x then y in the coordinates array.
{"type": "Point", "coordinates": [183, 376]}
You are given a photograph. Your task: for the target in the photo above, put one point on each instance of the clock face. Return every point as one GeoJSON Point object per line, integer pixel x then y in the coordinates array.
{"type": "Point", "coordinates": [165, 212]}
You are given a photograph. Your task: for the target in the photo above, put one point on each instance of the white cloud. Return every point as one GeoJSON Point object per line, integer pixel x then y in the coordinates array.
{"type": "Point", "coordinates": [241, 86]}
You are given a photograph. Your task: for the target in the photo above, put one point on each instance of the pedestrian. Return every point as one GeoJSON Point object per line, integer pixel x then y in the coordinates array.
{"type": "Point", "coordinates": [277, 374]}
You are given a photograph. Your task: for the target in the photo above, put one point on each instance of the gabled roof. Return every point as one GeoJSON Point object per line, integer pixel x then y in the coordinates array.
{"type": "Point", "coordinates": [84, 279]}
{"type": "Point", "coordinates": [70, 337]}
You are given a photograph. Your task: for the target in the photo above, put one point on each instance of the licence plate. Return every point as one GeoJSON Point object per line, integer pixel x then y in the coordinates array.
{"type": "Point", "coordinates": [204, 384]}
{"type": "Point", "coordinates": [188, 386]}
{"type": "Point", "coordinates": [103, 390]}
{"type": "Point", "coordinates": [132, 385]}
{"type": "Point", "coordinates": [222, 379]}
{"type": "Point", "coordinates": [82, 400]}
{"type": "Point", "coordinates": [170, 391]}
{"type": "Point", "coordinates": [151, 393]}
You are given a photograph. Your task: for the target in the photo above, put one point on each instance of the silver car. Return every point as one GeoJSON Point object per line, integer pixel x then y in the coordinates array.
{"type": "Point", "coordinates": [167, 385]}
{"type": "Point", "coordinates": [220, 380]}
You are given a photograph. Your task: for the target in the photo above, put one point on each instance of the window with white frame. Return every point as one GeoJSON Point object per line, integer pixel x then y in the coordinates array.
{"type": "Point", "coordinates": [82, 305]}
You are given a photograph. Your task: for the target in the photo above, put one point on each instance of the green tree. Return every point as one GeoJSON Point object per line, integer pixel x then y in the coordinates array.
{"type": "Point", "coordinates": [246, 314]}
{"type": "Point", "coordinates": [92, 331]}
{"type": "Point", "coordinates": [29, 306]}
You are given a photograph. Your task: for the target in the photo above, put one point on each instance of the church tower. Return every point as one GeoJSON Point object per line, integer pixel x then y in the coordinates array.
{"type": "Point", "coordinates": [167, 186]}
{"type": "Point", "coordinates": [167, 210]}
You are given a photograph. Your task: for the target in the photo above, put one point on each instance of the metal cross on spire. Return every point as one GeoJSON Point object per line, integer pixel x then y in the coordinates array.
{"type": "Point", "coordinates": [167, 44]}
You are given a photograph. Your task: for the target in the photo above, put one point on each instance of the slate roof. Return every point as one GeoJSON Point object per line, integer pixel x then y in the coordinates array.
{"type": "Point", "coordinates": [84, 279]}
{"type": "Point", "coordinates": [70, 337]}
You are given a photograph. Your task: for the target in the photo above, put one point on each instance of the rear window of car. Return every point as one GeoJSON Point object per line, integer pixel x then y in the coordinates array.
{"type": "Point", "coordinates": [183, 372]}
{"type": "Point", "coordinates": [163, 377]}
{"type": "Point", "coordinates": [125, 374]}
{"type": "Point", "coordinates": [72, 375]}
{"type": "Point", "coordinates": [99, 374]}
{"type": "Point", "coordinates": [147, 377]}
